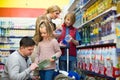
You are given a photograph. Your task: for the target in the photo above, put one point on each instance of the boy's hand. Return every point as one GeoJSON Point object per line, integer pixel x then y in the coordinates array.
{"type": "Point", "coordinates": [61, 44]}
{"type": "Point", "coordinates": [70, 38]}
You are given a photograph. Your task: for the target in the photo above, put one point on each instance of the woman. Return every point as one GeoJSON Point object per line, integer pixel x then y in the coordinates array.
{"type": "Point", "coordinates": [51, 13]}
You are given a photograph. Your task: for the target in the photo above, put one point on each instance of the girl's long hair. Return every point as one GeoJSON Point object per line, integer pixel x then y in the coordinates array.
{"type": "Point", "coordinates": [43, 23]}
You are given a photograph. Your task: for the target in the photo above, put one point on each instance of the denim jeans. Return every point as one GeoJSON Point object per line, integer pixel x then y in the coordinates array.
{"type": "Point", "coordinates": [63, 65]}
{"type": "Point", "coordinates": [46, 74]}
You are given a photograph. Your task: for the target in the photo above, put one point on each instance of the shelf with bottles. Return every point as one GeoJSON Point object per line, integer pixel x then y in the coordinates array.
{"type": "Point", "coordinates": [1, 68]}
{"type": "Point", "coordinates": [85, 74]}
{"type": "Point", "coordinates": [101, 43]}
{"type": "Point", "coordinates": [102, 28]}
{"type": "Point", "coordinates": [93, 9]}
{"type": "Point", "coordinates": [99, 51]}
{"type": "Point", "coordinates": [20, 28]}
{"type": "Point", "coordinates": [81, 4]}
{"type": "Point", "coordinates": [2, 63]}
{"type": "Point", "coordinates": [6, 42]}
{"type": "Point", "coordinates": [101, 60]}
{"type": "Point", "coordinates": [2, 32]}
{"type": "Point", "coordinates": [19, 33]}
{"type": "Point", "coordinates": [10, 28]}
{"type": "Point", "coordinates": [87, 3]}
{"type": "Point", "coordinates": [3, 56]}
{"type": "Point", "coordinates": [73, 5]}
{"type": "Point", "coordinates": [17, 23]}
{"type": "Point", "coordinates": [7, 32]}
{"type": "Point", "coordinates": [16, 27]}
{"type": "Point", "coordinates": [9, 41]}
{"type": "Point", "coordinates": [18, 36]}
{"type": "Point", "coordinates": [10, 47]}
{"type": "Point", "coordinates": [118, 15]}
{"type": "Point", "coordinates": [100, 15]}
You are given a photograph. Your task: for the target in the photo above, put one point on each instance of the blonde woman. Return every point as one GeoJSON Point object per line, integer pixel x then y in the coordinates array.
{"type": "Point", "coordinates": [48, 48]}
{"type": "Point", "coordinates": [51, 13]}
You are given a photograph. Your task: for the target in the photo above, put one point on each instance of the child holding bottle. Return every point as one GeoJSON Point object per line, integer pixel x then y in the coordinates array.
{"type": "Point", "coordinates": [69, 38]}
{"type": "Point", "coordinates": [48, 48]}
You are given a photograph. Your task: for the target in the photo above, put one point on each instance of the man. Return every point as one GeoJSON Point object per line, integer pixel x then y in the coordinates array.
{"type": "Point", "coordinates": [18, 65]}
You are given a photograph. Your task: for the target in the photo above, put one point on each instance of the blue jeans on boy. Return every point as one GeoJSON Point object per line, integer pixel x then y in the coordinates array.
{"type": "Point", "coordinates": [46, 74]}
{"type": "Point", "coordinates": [63, 63]}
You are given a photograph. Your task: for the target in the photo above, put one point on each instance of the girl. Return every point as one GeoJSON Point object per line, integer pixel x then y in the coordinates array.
{"type": "Point", "coordinates": [48, 47]}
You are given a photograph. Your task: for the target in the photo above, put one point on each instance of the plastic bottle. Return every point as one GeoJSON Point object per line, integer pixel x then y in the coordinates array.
{"type": "Point", "coordinates": [66, 40]}
{"type": "Point", "coordinates": [58, 31]}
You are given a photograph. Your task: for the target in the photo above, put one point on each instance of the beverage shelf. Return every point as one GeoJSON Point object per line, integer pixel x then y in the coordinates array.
{"type": "Point", "coordinates": [105, 12]}
{"type": "Point", "coordinates": [97, 44]}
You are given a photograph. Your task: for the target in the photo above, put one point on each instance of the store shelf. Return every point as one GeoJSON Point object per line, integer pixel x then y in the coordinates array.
{"type": "Point", "coordinates": [2, 63]}
{"type": "Point", "coordinates": [108, 42]}
{"type": "Point", "coordinates": [97, 74]}
{"type": "Point", "coordinates": [20, 28]}
{"type": "Point", "coordinates": [7, 49]}
{"type": "Point", "coordinates": [73, 6]}
{"type": "Point", "coordinates": [118, 15]}
{"type": "Point", "coordinates": [88, 4]}
{"type": "Point", "coordinates": [6, 42]}
{"type": "Point", "coordinates": [17, 36]}
{"type": "Point", "coordinates": [118, 50]}
{"type": "Point", "coordinates": [105, 12]}
{"type": "Point", "coordinates": [97, 44]}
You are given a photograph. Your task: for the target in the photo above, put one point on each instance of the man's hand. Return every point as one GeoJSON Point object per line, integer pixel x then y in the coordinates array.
{"type": "Point", "coordinates": [33, 66]}
{"type": "Point", "coordinates": [36, 78]}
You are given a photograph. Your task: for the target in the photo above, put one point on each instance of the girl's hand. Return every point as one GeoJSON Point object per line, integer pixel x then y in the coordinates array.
{"type": "Point", "coordinates": [52, 60]}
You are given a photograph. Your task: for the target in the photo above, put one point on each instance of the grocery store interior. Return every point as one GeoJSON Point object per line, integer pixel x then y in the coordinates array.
{"type": "Point", "coordinates": [98, 24]}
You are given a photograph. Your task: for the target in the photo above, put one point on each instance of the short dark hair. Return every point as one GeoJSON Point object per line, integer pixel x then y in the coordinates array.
{"type": "Point", "coordinates": [27, 41]}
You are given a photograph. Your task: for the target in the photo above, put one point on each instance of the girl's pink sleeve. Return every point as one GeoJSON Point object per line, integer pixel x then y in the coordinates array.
{"type": "Point", "coordinates": [57, 49]}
